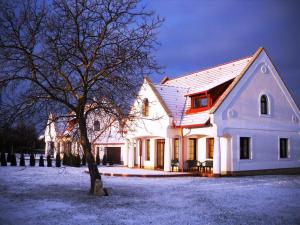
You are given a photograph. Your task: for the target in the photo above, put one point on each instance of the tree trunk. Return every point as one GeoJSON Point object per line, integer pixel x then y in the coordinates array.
{"type": "Point", "coordinates": [86, 146]}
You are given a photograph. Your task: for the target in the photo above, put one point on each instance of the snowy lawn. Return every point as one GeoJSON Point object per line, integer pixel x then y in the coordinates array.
{"type": "Point", "coordinates": [59, 196]}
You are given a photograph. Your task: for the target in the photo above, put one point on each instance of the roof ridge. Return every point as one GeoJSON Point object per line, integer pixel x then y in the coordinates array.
{"type": "Point", "coordinates": [212, 67]}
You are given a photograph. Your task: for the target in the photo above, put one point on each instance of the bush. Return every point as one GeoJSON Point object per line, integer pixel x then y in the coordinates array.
{"type": "Point", "coordinates": [83, 160]}
{"type": "Point", "coordinates": [49, 161]}
{"type": "Point", "coordinates": [32, 160]}
{"type": "Point", "coordinates": [3, 159]}
{"type": "Point", "coordinates": [58, 161]}
{"type": "Point", "coordinates": [97, 159]}
{"type": "Point", "coordinates": [13, 161]}
{"type": "Point", "coordinates": [66, 160]}
{"type": "Point", "coordinates": [41, 162]}
{"type": "Point", "coordinates": [22, 159]}
{"type": "Point", "coordinates": [104, 160]}
{"type": "Point", "coordinates": [8, 157]}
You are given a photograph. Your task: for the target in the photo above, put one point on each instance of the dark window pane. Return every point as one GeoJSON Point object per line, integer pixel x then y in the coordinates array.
{"type": "Point", "coordinates": [200, 102]}
{"type": "Point", "coordinates": [244, 147]}
{"type": "Point", "coordinates": [283, 143]}
{"type": "Point", "coordinates": [263, 105]}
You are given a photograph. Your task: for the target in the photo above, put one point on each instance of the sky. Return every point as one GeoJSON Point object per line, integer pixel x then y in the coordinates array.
{"type": "Point", "coordinates": [197, 34]}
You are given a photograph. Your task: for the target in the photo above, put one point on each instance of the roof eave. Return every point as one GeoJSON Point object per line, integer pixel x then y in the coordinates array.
{"type": "Point", "coordinates": [162, 102]}
{"type": "Point", "coordinates": [235, 82]}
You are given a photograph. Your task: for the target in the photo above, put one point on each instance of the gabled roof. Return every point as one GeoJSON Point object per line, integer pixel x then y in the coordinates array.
{"type": "Point", "coordinates": [173, 93]}
{"type": "Point", "coordinates": [235, 81]}
{"type": "Point", "coordinates": [208, 78]}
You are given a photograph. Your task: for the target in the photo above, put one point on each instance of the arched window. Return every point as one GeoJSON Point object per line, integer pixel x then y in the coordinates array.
{"type": "Point", "coordinates": [96, 125]}
{"type": "Point", "coordinates": [264, 105]}
{"type": "Point", "coordinates": [145, 107]}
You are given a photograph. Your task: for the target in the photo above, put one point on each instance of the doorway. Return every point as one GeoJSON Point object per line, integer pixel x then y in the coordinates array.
{"type": "Point", "coordinates": [160, 149]}
{"type": "Point", "coordinates": [209, 148]}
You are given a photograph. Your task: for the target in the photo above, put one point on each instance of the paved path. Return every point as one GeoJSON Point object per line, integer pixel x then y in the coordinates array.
{"type": "Point", "coordinates": [137, 172]}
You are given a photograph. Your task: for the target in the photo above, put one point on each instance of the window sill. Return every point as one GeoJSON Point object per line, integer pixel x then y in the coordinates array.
{"type": "Point", "coordinates": [265, 115]}
{"type": "Point", "coordinates": [245, 160]}
{"type": "Point", "coordinates": [284, 159]}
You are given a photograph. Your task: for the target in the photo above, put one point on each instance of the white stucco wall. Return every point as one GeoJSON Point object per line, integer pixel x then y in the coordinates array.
{"type": "Point", "coordinates": [239, 116]}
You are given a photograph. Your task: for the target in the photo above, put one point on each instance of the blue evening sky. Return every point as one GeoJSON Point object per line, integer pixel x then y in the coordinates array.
{"type": "Point", "coordinates": [202, 33]}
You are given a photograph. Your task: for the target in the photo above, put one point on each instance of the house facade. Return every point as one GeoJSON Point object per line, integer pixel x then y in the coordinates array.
{"type": "Point", "coordinates": [103, 132]}
{"type": "Point", "coordinates": [240, 115]}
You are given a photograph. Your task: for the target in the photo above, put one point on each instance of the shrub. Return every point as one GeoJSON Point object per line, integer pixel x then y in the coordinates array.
{"type": "Point", "coordinates": [32, 160]}
{"type": "Point", "coordinates": [8, 157]}
{"type": "Point", "coordinates": [3, 159]}
{"type": "Point", "coordinates": [41, 162]}
{"type": "Point", "coordinates": [98, 159]}
{"type": "Point", "coordinates": [58, 161]}
{"type": "Point", "coordinates": [83, 160]}
{"type": "Point", "coordinates": [13, 161]}
{"type": "Point", "coordinates": [104, 160]}
{"type": "Point", "coordinates": [49, 161]}
{"type": "Point", "coordinates": [66, 160]}
{"type": "Point", "coordinates": [22, 159]}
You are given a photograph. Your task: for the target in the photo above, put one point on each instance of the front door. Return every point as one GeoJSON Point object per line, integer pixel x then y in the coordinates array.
{"type": "Point", "coordinates": [160, 153]}
{"type": "Point", "coordinates": [209, 148]}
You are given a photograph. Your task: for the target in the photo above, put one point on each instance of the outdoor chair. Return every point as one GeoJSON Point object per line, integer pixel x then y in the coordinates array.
{"type": "Point", "coordinates": [174, 163]}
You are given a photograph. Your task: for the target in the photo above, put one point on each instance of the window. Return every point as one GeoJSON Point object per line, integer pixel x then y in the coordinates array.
{"type": "Point", "coordinates": [283, 148]}
{"type": "Point", "coordinates": [192, 149]}
{"type": "Point", "coordinates": [210, 148]}
{"type": "Point", "coordinates": [96, 125]}
{"type": "Point", "coordinates": [145, 107]}
{"type": "Point", "coordinates": [244, 148]}
{"type": "Point", "coordinates": [263, 105]}
{"type": "Point", "coordinates": [148, 149]}
{"type": "Point", "coordinates": [199, 102]}
{"type": "Point", "coordinates": [176, 148]}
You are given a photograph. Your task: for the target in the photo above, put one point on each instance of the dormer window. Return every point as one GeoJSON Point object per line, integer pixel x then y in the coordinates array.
{"type": "Point", "coordinates": [145, 107]}
{"type": "Point", "coordinates": [199, 102]}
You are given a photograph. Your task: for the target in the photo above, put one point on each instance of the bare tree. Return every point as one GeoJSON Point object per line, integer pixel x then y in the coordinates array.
{"type": "Point", "coordinates": [74, 56]}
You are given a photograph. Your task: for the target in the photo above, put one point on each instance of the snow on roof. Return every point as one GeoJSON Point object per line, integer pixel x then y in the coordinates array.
{"type": "Point", "coordinates": [174, 91]}
{"type": "Point", "coordinates": [208, 78]}
{"type": "Point", "coordinates": [174, 98]}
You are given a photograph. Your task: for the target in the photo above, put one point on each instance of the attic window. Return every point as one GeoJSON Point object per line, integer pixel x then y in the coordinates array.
{"type": "Point", "coordinates": [199, 102]}
{"type": "Point", "coordinates": [145, 107]}
{"type": "Point", "coordinates": [96, 125]}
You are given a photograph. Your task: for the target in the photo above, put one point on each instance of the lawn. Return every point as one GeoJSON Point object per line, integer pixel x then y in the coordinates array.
{"type": "Point", "coordinates": [59, 196]}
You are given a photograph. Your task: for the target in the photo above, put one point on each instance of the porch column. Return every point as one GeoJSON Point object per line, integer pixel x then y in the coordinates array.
{"type": "Point", "coordinates": [217, 156]}
{"type": "Point", "coordinates": [125, 153]}
{"type": "Point", "coordinates": [131, 155]}
{"type": "Point", "coordinates": [167, 154]}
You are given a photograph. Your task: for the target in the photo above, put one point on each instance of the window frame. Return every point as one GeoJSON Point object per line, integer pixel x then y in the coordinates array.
{"type": "Point", "coordinates": [194, 149]}
{"type": "Point", "coordinates": [250, 154]}
{"type": "Point", "coordinates": [147, 149]}
{"type": "Point", "coordinates": [145, 107]}
{"type": "Point", "coordinates": [208, 149]}
{"type": "Point", "coordinates": [176, 150]}
{"type": "Point", "coordinates": [287, 148]}
{"type": "Point", "coordinates": [98, 125]}
{"type": "Point", "coordinates": [268, 106]}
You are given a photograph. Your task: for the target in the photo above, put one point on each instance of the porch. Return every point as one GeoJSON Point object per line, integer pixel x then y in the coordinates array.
{"type": "Point", "coordinates": [176, 153]}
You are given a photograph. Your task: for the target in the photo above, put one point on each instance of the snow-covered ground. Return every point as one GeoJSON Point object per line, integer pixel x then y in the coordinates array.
{"type": "Point", "coordinates": [59, 196]}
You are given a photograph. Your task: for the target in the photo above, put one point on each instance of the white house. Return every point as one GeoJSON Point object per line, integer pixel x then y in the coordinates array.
{"type": "Point", "coordinates": [103, 132]}
{"type": "Point", "coordinates": [238, 114]}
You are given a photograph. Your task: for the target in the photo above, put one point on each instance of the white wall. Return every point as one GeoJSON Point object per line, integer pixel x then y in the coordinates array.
{"type": "Point", "coordinates": [239, 115]}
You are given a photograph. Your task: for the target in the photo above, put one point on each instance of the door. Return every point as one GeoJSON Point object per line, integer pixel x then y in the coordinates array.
{"type": "Point", "coordinates": [160, 148]}
{"type": "Point", "coordinates": [114, 155]}
{"type": "Point", "coordinates": [209, 148]}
